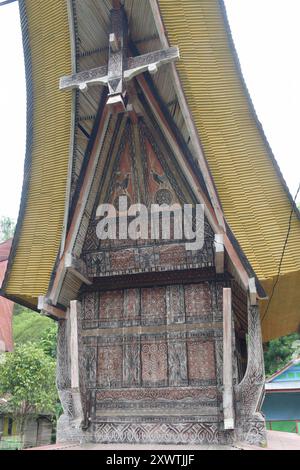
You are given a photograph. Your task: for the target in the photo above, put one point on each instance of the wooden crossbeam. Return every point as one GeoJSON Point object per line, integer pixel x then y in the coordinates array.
{"type": "Point", "coordinates": [136, 65]}
{"type": "Point", "coordinates": [50, 310]}
{"type": "Point", "coordinates": [120, 68]}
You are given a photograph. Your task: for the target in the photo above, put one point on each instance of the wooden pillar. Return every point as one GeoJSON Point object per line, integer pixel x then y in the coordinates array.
{"type": "Point", "coordinates": [227, 361]}
{"type": "Point", "coordinates": [74, 357]}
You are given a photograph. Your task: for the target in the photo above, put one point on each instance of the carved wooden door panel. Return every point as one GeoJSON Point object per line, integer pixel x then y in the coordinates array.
{"type": "Point", "coordinates": [153, 354]}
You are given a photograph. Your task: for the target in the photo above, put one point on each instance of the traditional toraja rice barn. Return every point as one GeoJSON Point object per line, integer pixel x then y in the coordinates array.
{"type": "Point", "coordinates": [152, 337]}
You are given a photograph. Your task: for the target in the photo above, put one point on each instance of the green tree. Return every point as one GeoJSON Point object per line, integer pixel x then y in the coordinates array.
{"type": "Point", "coordinates": [7, 228]}
{"type": "Point", "coordinates": [32, 327]}
{"type": "Point", "coordinates": [48, 341]}
{"type": "Point", "coordinates": [280, 351]}
{"type": "Point", "coordinates": [27, 379]}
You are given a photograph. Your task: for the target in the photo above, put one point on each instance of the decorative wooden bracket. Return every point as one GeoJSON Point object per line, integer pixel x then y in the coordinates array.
{"type": "Point", "coordinates": [77, 267]}
{"type": "Point", "coordinates": [219, 253]}
{"type": "Point", "coordinates": [120, 68]}
{"type": "Point", "coordinates": [49, 310]}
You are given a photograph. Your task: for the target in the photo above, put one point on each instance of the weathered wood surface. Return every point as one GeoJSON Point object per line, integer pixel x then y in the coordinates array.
{"type": "Point", "coordinates": [120, 68]}
{"type": "Point", "coordinates": [227, 361]}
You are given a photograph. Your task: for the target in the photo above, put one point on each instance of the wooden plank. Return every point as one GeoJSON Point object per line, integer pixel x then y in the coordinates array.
{"type": "Point", "coordinates": [81, 203]}
{"type": "Point", "coordinates": [228, 409]}
{"type": "Point", "coordinates": [219, 252]}
{"type": "Point", "coordinates": [252, 291]}
{"type": "Point", "coordinates": [74, 307]}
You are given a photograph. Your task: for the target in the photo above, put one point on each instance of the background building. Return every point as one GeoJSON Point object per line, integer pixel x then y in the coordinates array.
{"type": "Point", "coordinates": [281, 406]}
{"type": "Point", "coordinates": [6, 306]}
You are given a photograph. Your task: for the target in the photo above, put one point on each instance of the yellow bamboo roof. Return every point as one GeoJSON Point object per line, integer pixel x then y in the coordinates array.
{"type": "Point", "coordinates": [252, 192]}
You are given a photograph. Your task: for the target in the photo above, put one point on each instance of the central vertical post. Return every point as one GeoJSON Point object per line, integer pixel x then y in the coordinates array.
{"type": "Point", "coordinates": [118, 40]}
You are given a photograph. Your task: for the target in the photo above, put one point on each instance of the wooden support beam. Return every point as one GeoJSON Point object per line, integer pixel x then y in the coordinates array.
{"type": "Point", "coordinates": [77, 267]}
{"type": "Point", "coordinates": [228, 408]}
{"type": "Point", "coordinates": [47, 309]}
{"type": "Point", "coordinates": [219, 253]}
{"type": "Point", "coordinates": [120, 68]}
{"type": "Point", "coordinates": [74, 356]}
{"type": "Point", "coordinates": [113, 42]}
{"type": "Point", "coordinates": [252, 291]}
{"type": "Point", "coordinates": [74, 312]}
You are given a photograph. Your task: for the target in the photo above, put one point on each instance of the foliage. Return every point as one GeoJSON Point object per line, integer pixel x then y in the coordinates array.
{"type": "Point", "coordinates": [296, 349]}
{"type": "Point", "coordinates": [280, 351]}
{"type": "Point", "coordinates": [29, 326]}
{"type": "Point", "coordinates": [48, 341]}
{"type": "Point", "coordinates": [27, 378]}
{"type": "Point", "coordinates": [7, 228]}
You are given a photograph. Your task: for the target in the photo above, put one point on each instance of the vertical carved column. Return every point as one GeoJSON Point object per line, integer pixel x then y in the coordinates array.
{"type": "Point", "coordinates": [69, 379]}
{"type": "Point", "coordinates": [63, 381]}
{"type": "Point", "coordinates": [227, 361]}
{"type": "Point", "coordinates": [249, 392]}
{"type": "Point", "coordinates": [74, 360]}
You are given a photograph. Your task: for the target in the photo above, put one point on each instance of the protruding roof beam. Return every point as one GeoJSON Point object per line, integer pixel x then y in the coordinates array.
{"type": "Point", "coordinates": [49, 310]}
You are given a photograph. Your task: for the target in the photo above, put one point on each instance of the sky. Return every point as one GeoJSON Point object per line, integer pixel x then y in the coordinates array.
{"type": "Point", "coordinates": [267, 38]}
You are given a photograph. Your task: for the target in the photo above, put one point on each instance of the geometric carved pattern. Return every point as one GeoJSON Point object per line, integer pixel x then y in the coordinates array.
{"type": "Point", "coordinates": [169, 256]}
{"type": "Point", "coordinates": [154, 363]}
{"type": "Point", "coordinates": [178, 374]}
{"type": "Point", "coordinates": [249, 391]}
{"type": "Point", "coordinates": [198, 301]}
{"type": "Point", "coordinates": [110, 366]}
{"type": "Point", "coordinates": [111, 305]}
{"type": "Point", "coordinates": [163, 433]}
{"type": "Point", "coordinates": [153, 305]}
{"type": "Point", "coordinates": [201, 360]}
{"type": "Point", "coordinates": [131, 362]}
{"type": "Point", "coordinates": [163, 393]}
{"type": "Point", "coordinates": [175, 304]}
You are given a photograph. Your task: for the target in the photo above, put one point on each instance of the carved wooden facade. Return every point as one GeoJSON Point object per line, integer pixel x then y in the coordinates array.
{"type": "Point", "coordinates": [141, 349]}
